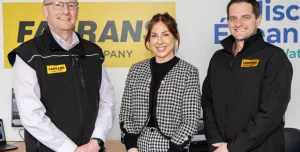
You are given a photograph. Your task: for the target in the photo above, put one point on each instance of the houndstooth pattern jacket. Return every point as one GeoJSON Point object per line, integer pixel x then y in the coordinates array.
{"type": "Point", "coordinates": [178, 101]}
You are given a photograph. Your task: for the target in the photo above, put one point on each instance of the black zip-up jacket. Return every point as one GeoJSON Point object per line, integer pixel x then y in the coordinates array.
{"type": "Point", "coordinates": [245, 96]}
{"type": "Point", "coordinates": [71, 98]}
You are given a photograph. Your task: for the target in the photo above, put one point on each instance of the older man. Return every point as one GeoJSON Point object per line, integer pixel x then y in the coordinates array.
{"type": "Point", "coordinates": [64, 96]}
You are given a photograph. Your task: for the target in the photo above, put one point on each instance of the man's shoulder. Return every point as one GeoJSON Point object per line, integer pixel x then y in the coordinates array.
{"type": "Point", "coordinates": [274, 51]}
{"type": "Point", "coordinates": [272, 48]}
{"type": "Point", "coordinates": [91, 47]}
{"type": "Point", "coordinates": [30, 46]}
{"type": "Point", "coordinates": [218, 54]}
{"type": "Point", "coordinates": [90, 44]}
{"type": "Point", "coordinates": [31, 43]}
{"type": "Point", "coordinates": [25, 50]}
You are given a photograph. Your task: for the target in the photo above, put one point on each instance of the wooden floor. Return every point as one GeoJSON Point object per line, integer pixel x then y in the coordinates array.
{"type": "Point", "coordinates": [111, 146]}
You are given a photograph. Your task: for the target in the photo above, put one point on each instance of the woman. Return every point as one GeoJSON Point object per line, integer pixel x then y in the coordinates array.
{"type": "Point", "coordinates": [160, 108]}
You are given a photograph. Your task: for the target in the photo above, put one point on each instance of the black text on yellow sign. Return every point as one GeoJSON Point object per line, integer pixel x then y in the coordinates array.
{"type": "Point", "coordinates": [249, 63]}
{"type": "Point", "coordinates": [88, 29]}
{"type": "Point", "coordinates": [52, 69]}
{"type": "Point", "coordinates": [119, 28]}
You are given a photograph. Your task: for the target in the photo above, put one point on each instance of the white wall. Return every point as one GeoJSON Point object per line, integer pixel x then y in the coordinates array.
{"type": "Point", "coordinates": [196, 19]}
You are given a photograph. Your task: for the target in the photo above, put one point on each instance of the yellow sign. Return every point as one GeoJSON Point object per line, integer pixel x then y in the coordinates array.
{"type": "Point", "coordinates": [118, 28]}
{"type": "Point", "coordinates": [61, 68]}
{"type": "Point", "coordinates": [249, 63]}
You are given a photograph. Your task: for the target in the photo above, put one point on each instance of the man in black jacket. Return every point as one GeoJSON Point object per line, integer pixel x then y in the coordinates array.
{"type": "Point", "coordinates": [64, 96]}
{"type": "Point", "coordinates": [247, 88]}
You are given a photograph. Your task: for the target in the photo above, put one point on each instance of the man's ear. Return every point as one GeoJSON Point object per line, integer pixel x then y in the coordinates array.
{"type": "Point", "coordinates": [258, 20]}
{"type": "Point", "coordinates": [77, 13]}
{"type": "Point", "coordinates": [45, 11]}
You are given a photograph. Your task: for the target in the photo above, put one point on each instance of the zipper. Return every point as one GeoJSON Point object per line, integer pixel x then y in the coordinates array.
{"type": "Point", "coordinates": [78, 99]}
{"type": "Point", "coordinates": [231, 63]}
{"type": "Point", "coordinates": [230, 89]}
{"type": "Point", "coordinates": [83, 85]}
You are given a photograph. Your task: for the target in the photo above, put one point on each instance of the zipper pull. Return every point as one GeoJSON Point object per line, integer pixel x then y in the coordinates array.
{"type": "Point", "coordinates": [80, 73]}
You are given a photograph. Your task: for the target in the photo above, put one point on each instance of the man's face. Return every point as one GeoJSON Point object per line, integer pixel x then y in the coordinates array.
{"type": "Point", "coordinates": [60, 17]}
{"type": "Point", "coordinates": [241, 21]}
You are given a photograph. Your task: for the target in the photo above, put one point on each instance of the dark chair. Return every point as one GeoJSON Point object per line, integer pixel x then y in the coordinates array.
{"type": "Point", "coordinates": [292, 140]}
{"type": "Point", "coordinates": [198, 146]}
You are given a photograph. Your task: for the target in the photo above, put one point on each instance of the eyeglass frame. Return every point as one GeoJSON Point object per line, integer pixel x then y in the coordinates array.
{"type": "Point", "coordinates": [63, 4]}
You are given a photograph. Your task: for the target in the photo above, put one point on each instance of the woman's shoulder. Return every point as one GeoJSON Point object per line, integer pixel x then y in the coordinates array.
{"type": "Point", "coordinates": [140, 65]}
{"type": "Point", "coordinates": [186, 65]}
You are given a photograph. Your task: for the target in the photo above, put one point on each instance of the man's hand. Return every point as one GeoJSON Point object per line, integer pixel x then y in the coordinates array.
{"type": "Point", "coordinates": [221, 147]}
{"type": "Point", "coordinates": [133, 150]}
{"type": "Point", "coordinates": [92, 146]}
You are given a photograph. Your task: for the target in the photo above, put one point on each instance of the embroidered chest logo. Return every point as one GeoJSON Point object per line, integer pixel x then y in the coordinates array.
{"type": "Point", "coordinates": [52, 69]}
{"type": "Point", "coordinates": [249, 63]}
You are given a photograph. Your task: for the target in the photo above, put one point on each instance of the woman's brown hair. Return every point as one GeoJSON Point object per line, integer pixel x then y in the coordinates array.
{"type": "Point", "coordinates": [168, 21]}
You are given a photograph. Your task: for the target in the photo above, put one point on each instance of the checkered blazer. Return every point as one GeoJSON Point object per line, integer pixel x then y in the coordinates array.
{"type": "Point", "coordinates": [178, 101]}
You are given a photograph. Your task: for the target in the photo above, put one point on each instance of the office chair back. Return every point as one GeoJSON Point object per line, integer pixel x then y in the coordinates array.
{"type": "Point", "coordinates": [292, 140]}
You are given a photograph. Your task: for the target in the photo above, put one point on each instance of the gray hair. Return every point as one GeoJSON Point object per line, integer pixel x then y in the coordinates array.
{"type": "Point", "coordinates": [44, 1]}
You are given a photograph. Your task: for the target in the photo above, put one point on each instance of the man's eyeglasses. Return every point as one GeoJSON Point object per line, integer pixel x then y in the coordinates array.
{"type": "Point", "coordinates": [60, 5]}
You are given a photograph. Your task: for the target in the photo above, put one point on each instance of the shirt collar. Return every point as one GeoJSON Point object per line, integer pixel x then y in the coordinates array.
{"type": "Point", "coordinates": [62, 43]}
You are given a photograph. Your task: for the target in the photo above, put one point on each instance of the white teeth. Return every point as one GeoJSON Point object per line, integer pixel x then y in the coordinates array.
{"type": "Point", "coordinates": [240, 30]}
{"type": "Point", "coordinates": [160, 48]}
{"type": "Point", "coordinates": [66, 19]}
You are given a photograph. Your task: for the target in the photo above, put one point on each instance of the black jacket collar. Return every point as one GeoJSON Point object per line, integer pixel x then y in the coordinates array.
{"type": "Point", "coordinates": [54, 46]}
{"type": "Point", "coordinates": [253, 43]}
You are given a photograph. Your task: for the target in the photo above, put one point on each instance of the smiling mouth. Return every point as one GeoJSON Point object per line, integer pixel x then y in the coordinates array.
{"type": "Point", "coordinates": [161, 48]}
{"type": "Point", "coordinates": [240, 30]}
{"type": "Point", "coordinates": [64, 18]}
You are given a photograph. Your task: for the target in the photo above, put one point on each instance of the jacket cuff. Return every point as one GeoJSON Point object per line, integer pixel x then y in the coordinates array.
{"type": "Point", "coordinates": [181, 142]}
{"type": "Point", "coordinates": [99, 133]}
{"type": "Point", "coordinates": [130, 141]}
{"type": "Point", "coordinates": [234, 147]}
{"type": "Point", "coordinates": [176, 148]}
{"type": "Point", "coordinates": [213, 141]}
{"type": "Point", "coordinates": [68, 145]}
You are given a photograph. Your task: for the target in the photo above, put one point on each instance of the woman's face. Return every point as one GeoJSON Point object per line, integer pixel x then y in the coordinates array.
{"type": "Point", "coordinates": [162, 43]}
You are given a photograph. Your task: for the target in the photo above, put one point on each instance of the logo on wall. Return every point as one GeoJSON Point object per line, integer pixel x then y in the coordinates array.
{"type": "Point", "coordinates": [284, 30]}
{"type": "Point", "coordinates": [118, 28]}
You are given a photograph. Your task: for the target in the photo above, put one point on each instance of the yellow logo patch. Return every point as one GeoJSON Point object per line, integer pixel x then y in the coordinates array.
{"type": "Point", "coordinates": [51, 69]}
{"type": "Point", "coordinates": [249, 63]}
